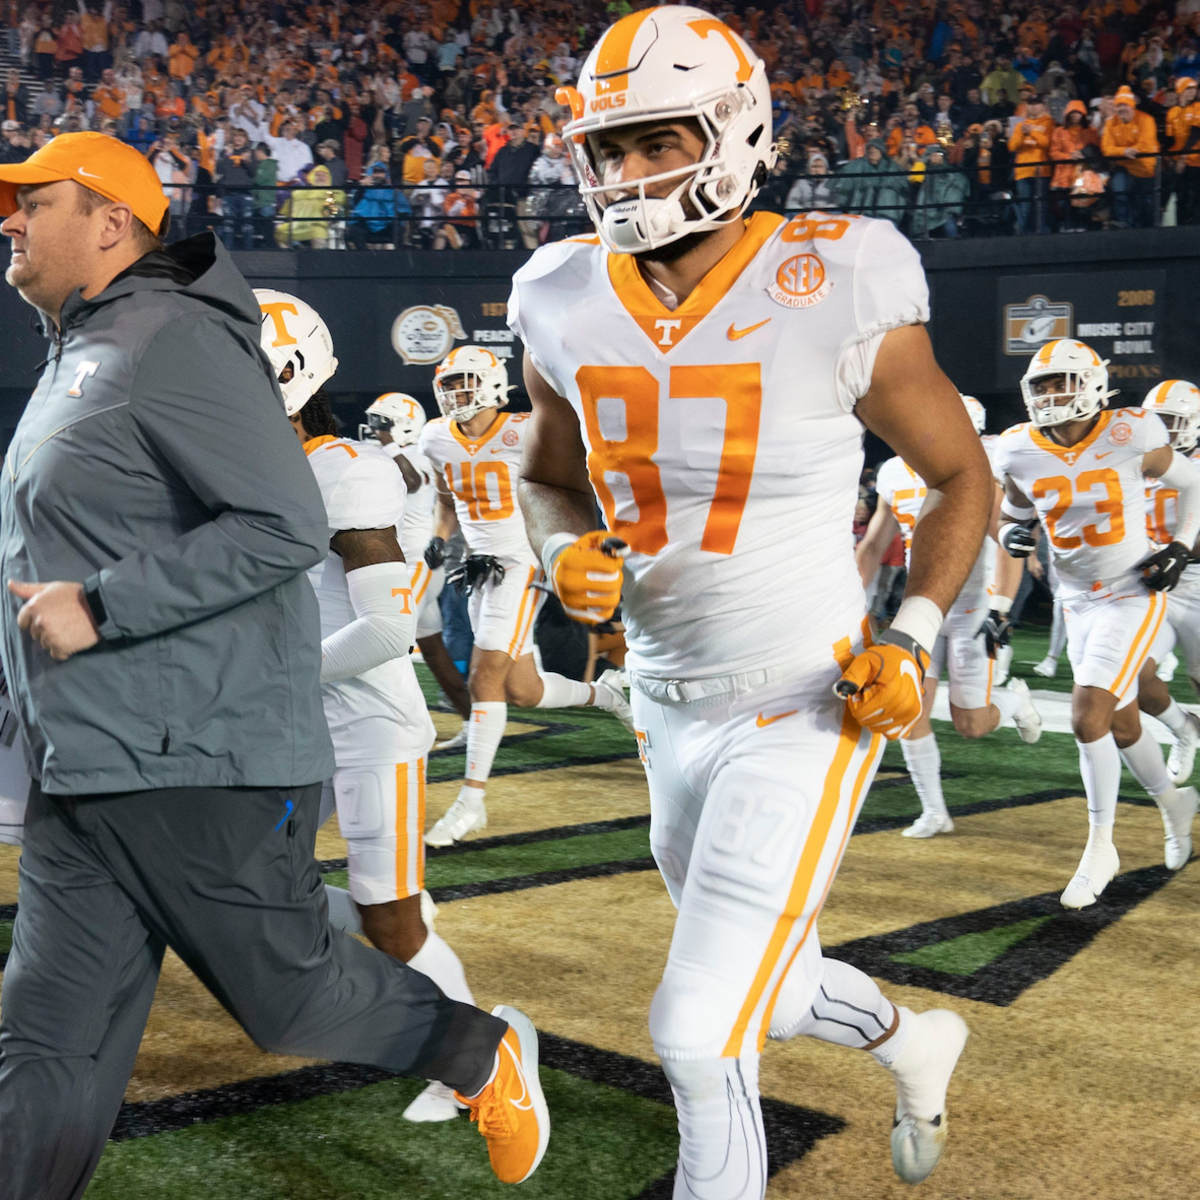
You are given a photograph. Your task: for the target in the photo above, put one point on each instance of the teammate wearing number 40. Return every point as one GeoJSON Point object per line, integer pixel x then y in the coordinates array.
{"type": "Point", "coordinates": [707, 377]}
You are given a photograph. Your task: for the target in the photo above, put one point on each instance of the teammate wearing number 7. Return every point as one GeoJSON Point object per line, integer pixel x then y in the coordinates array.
{"type": "Point", "coordinates": [475, 448]}
{"type": "Point", "coordinates": [708, 377]}
{"type": "Point", "coordinates": [1081, 471]}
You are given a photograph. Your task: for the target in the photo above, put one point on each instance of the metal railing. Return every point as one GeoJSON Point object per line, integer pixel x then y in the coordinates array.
{"type": "Point", "coordinates": [927, 202]}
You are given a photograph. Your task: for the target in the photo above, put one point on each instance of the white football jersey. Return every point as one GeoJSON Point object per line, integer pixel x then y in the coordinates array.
{"type": "Point", "coordinates": [378, 717]}
{"type": "Point", "coordinates": [1162, 517]}
{"type": "Point", "coordinates": [721, 436]}
{"type": "Point", "coordinates": [416, 526]}
{"type": "Point", "coordinates": [1090, 497]}
{"type": "Point", "coordinates": [483, 474]}
{"type": "Point", "coordinates": [904, 492]}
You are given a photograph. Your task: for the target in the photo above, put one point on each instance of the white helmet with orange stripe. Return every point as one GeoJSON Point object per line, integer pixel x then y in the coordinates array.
{"type": "Point", "coordinates": [1178, 403]}
{"type": "Point", "coordinates": [976, 412]}
{"type": "Point", "coordinates": [671, 64]}
{"type": "Point", "coordinates": [468, 380]}
{"type": "Point", "coordinates": [1084, 390]}
{"type": "Point", "coordinates": [297, 342]}
{"type": "Point", "coordinates": [399, 414]}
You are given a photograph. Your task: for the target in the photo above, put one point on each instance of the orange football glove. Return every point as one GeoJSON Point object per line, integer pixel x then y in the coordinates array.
{"type": "Point", "coordinates": [586, 576]}
{"type": "Point", "coordinates": [883, 685]}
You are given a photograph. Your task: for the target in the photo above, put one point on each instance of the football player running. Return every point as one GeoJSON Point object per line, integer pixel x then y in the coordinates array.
{"type": "Point", "coordinates": [475, 448]}
{"type": "Point", "coordinates": [373, 703]}
{"type": "Point", "coordinates": [976, 708]}
{"type": "Point", "coordinates": [707, 377]}
{"type": "Point", "coordinates": [395, 421]}
{"type": "Point", "coordinates": [1081, 470]}
{"type": "Point", "coordinates": [1177, 403]}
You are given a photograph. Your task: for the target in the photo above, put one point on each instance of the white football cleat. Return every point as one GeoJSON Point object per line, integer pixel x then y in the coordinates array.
{"type": "Point", "coordinates": [610, 695]}
{"type": "Point", "coordinates": [922, 1073]}
{"type": "Point", "coordinates": [1094, 873]}
{"type": "Point", "coordinates": [1047, 668]}
{"type": "Point", "coordinates": [457, 742]}
{"type": "Point", "coordinates": [435, 1103]}
{"type": "Point", "coordinates": [1004, 657]}
{"type": "Point", "coordinates": [928, 824]}
{"type": "Point", "coordinates": [1027, 719]}
{"type": "Point", "coordinates": [466, 815]}
{"type": "Point", "coordinates": [1167, 668]}
{"type": "Point", "coordinates": [1177, 817]}
{"type": "Point", "coordinates": [1183, 753]}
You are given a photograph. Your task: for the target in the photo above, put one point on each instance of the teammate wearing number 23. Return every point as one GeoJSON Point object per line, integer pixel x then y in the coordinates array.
{"type": "Point", "coordinates": [707, 378]}
{"type": "Point", "coordinates": [1081, 470]}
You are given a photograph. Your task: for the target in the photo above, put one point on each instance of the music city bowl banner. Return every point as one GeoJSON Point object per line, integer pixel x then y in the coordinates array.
{"type": "Point", "coordinates": [1120, 314]}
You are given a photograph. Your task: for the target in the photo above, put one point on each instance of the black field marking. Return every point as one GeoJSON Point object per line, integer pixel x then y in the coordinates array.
{"type": "Point", "coordinates": [880, 824]}
{"type": "Point", "coordinates": [547, 729]}
{"type": "Point", "coordinates": [8, 912]}
{"type": "Point", "coordinates": [1030, 961]}
{"type": "Point", "coordinates": [521, 883]}
{"type": "Point", "coordinates": [587, 760]}
{"type": "Point", "coordinates": [791, 1131]}
{"type": "Point", "coordinates": [544, 729]}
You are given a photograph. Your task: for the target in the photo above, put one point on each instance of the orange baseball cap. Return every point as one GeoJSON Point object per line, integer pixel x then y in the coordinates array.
{"type": "Point", "coordinates": [1184, 82]}
{"type": "Point", "coordinates": [1125, 96]}
{"type": "Point", "coordinates": [98, 162]}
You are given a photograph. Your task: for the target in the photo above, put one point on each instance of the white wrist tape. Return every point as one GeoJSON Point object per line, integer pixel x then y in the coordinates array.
{"type": "Point", "coordinates": [1001, 604]}
{"type": "Point", "coordinates": [553, 546]}
{"type": "Point", "coordinates": [1183, 475]}
{"type": "Point", "coordinates": [393, 450]}
{"type": "Point", "coordinates": [921, 619]}
{"type": "Point", "coordinates": [383, 626]}
{"type": "Point", "coordinates": [1017, 512]}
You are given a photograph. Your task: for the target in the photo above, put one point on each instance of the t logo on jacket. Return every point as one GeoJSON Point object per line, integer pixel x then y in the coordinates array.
{"type": "Point", "coordinates": [85, 370]}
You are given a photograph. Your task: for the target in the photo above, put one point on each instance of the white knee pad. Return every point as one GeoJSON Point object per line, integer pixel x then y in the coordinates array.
{"type": "Point", "coordinates": [360, 803]}
{"type": "Point", "coordinates": [684, 1021]}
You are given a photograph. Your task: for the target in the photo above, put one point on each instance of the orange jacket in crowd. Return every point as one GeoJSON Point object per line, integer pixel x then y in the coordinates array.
{"type": "Point", "coordinates": [922, 135]}
{"type": "Point", "coordinates": [1030, 142]}
{"type": "Point", "coordinates": [110, 100]}
{"type": "Point", "coordinates": [1180, 123]}
{"type": "Point", "coordinates": [1065, 141]}
{"type": "Point", "coordinates": [1138, 134]}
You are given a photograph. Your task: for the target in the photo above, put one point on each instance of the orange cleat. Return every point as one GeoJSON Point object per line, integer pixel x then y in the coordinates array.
{"type": "Point", "coordinates": [511, 1110]}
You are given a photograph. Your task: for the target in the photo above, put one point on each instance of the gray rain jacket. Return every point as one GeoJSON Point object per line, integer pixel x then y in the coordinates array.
{"type": "Point", "coordinates": [154, 463]}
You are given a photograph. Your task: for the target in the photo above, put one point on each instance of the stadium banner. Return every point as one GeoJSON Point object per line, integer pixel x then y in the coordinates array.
{"type": "Point", "coordinates": [1120, 314]}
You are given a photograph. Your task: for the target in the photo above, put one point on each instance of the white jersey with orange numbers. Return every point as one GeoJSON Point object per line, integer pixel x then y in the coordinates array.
{"type": "Point", "coordinates": [482, 474]}
{"type": "Point", "coordinates": [1162, 516]}
{"type": "Point", "coordinates": [378, 717]}
{"type": "Point", "coordinates": [721, 436]}
{"type": "Point", "coordinates": [1090, 497]}
{"type": "Point", "coordinates": [904, 492]}
{"type": "Point", "coordinates": [416, 526]}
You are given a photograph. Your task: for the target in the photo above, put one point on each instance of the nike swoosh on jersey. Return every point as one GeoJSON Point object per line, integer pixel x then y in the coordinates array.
{"type": "Point", "coordinates": [763, 722]}
{"type": "Point", "coordinates": [733, 334]}
{"type": "Point", "coordinates": [1104, 455]}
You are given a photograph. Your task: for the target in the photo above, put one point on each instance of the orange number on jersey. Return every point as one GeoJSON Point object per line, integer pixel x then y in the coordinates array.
{"type": "Point", "coordinates": [739, 385]}
{"type": "Point", "coordinates": [632, 456]}
{"type": "Point", "coordinates": [807, 229]}
{"type": "Point", "coordinates": [1112, 507]}
{"type": "Point", "coordinates": [1158, 524]}
{"type": "Point", "coordinates": [472, 489]}
{"type": "Point", "coordinates": [906, 520]}
{"type": "Point", "coordinates": [1061, 485]}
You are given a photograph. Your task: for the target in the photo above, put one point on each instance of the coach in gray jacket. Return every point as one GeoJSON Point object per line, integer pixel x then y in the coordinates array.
{"type": "Point", "coordinates": [162, 649]}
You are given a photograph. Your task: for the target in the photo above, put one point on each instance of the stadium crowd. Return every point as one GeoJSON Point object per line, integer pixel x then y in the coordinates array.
{"type": "Point", "coordinates": [435, 124]}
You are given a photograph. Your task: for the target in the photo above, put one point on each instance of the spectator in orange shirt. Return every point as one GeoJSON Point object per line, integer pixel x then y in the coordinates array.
{"type": "Point", "coordinates": [1183, 128]}
{"type": "Point", "coordinates": [1030, 143]}
{"type": "Point", "coordinates": [910, 129]}
{"type": "Point", "coordinates": [108, 98]}
{"type": "Point", "coordinates": [1130, 143]}
{"type": "Point", "coordinates": [70, 43]}
{"type": "Point", "coordinates": [93, 31]}
{"type": "Point", "coordinates": [183, 57]}
{"type": "Point", "coordinates": [1067, 144]}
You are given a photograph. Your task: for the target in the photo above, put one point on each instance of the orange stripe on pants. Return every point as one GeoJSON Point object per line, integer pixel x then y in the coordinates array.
{"type": "Point", "coordinates": [401, 829]}
{"type": "Point", "coordinates": [423, 575]}
{"type": "Point", "coordinates": [870, 761]}
{"type": "Point", "coordinates": [420, 823]}
{"type": "Point", "coordinates": [517, 640]}
{"type": "Point", "coordinates": [1154, 614]}
{"type": "Point", "coordinates": [810, 858]}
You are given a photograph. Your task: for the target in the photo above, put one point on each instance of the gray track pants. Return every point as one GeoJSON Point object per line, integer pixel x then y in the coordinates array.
{"type": "Point", "coordinates": [226, 878]}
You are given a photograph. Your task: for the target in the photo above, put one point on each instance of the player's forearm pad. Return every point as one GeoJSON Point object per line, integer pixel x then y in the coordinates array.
{"type": "Point", "coordinates": [1183, 475]}
{"type": "Point", "coordinates": [383, 626]}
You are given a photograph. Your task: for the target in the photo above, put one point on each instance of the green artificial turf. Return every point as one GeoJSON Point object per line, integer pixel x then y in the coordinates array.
{"type": "Point", "coordinates": [967, 954]}
{"type": "Point", "coordinates": [5, 936]}
{"type": "Point", "coordinates": [605, 1145]}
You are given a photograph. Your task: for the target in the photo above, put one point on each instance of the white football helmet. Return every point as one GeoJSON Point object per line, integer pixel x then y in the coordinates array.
{"type": "Point", "coordinates": [1086, 390]}
{"type": "Point", "coordinates": [1178, 403]}
{"type": "Point", "coordinates": [293, 335]}
{"type": "Point", "coordinates": [468, 380]}
{"type": "Point", "coordinates": [670, 64]}
{"type": "Point", "coordinates": [976, 412]}
{"type": "Point", "coordinates": [397, 412]}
